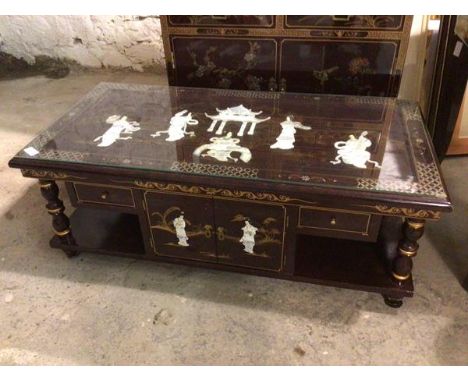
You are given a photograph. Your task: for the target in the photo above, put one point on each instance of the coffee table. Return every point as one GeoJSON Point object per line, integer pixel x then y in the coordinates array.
{"type": "Point", "coordinates": [331, 190]}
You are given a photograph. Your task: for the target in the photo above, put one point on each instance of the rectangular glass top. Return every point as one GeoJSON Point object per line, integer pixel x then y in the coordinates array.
{"type": "Point", "coordinates": [361, 143]}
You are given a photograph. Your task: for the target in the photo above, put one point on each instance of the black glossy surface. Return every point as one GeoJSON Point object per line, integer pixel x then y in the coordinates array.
{"type": "Point", "coordinates": [399, 140]}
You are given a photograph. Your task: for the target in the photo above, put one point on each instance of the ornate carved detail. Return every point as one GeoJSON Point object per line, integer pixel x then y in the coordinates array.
{"type": "Point", "coordinates": [46, 174]}
{"type": "Point", "coordinates": [214, 191]}
{"type": "Point", "coordinates": [338, 33]}
{"type": "Point", "coordinates": [410, 212]}
{"type": "Point", "coordinates": [304, 32]}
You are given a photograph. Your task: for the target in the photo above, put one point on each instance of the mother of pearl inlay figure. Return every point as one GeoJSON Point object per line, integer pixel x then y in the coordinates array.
{"type": "Point", "coordinates": [286, 139]}
{"type": "Point", "coordinates": [178, 127]}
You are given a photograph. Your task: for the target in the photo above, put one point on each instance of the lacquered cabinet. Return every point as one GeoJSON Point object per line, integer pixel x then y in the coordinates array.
{"type": "Point", "coordinates": [347, 54]}
{"type": "Point", "coordinates": [240, 233]}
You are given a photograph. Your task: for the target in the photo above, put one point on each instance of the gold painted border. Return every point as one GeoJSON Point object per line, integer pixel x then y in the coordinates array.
{"type": "Point", "coordinates": [48, 174]}
{"type": "Point", "coordinates": [272, 198]}
{"type": "Point", "coordinates": [404, 212]}
{"type": "Point", "coordinates": [211, 191]}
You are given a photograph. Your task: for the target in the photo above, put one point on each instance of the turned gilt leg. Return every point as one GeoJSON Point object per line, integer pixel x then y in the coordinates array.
{"type": "Point", "coordinates": [413, 230]}
{"type": "Point", "coordinates": [55, 208]}
{"type": "Point", "coordinates": [402, 264]}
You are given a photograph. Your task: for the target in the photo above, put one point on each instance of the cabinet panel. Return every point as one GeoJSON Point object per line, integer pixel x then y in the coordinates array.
{"type": "Point", "coordinates": [224, 63]}
{"type": "Point", "coordinates": [344, 54]}
{"type": "Point", "coordinates": [250, 234]}
{"type": "Point", "coordinates": [339, 67]}
{"type": "Point", "coordinates": [222, 20]}
{"type": "Point", "coordinates": [381, 22]}
{"type": "Point", "coordinates": [181, 226]}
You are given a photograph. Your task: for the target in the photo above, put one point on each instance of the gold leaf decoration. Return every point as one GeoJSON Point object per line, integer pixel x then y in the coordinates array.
{"type": "Point", "coordinates": [409, 212]}
{"type": "Point", "coordinates": [45, 174]}
{"type": "Point", "coordinates": [213, 191]}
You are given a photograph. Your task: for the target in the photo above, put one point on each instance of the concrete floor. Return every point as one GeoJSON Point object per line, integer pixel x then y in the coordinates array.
{"type": "Point", "coordinates": [106, 310]}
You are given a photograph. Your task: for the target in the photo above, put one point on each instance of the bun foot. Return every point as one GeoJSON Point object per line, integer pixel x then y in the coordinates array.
{"type": "Point", "coordinates": [393, 302]}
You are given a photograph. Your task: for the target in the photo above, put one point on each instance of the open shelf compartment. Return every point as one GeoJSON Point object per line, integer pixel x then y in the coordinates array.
{"type": "Point", "coordinates": [351, 264]}
{"type": "Point", "coordinates": [104, 231]}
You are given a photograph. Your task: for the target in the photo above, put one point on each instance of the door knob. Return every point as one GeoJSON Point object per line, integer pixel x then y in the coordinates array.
{"type": "Point", "coordinates": [208, 231]}
{"type": "Point", "coordinates": [220, 233]}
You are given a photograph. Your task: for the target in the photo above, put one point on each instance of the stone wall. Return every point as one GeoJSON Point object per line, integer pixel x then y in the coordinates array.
{"type": "Point", "coordinates": [132, 42]}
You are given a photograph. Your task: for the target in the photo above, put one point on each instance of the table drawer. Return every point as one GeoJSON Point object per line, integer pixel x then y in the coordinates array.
{"type": "Point", "coordinates": [336, 222]}
{"type": "Point", "coordinates": [110, 195]}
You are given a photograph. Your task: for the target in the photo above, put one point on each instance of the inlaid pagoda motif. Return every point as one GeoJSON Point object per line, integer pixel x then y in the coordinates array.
{"type": "Point", "coordinates": [236, 114]}
{"type": "Point", "coordinates": [353, 151]}
{"type": "Point", "coordinates": [285, 140]}
{"type": "Point", "coordinates": [120, 126]}
{"type": "Point", "coordinates": [178, 127]}
{"type": "Point", "coordinates": [222, 148]}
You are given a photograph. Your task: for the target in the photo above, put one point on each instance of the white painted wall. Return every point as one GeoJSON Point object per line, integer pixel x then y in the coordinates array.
{"type": "Point", "coordinates": [93, 41]}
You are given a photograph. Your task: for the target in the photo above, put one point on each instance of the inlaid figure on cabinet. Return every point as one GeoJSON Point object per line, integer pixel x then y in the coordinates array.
{"type": "Point", "coordinates": [353, 151]}
{"type": "Point", "coordinates": [120, 125]}
{"type": "Point", "coordinates": [285, 140]}
{"type": "Point", "coordinates": [222, 148]}
{"type": "Point", "coordinates": [178, 127]}
{"type": "Point", "coordinates": [179, 225]}
{"type": "Point", "coordinates": [248, 239]}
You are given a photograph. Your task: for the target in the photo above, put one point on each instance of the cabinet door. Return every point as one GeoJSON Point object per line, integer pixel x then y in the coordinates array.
{"type": "Point", "coordinates": [250, 234]}
{"type": "Point", "coordinates": [181, 226]}
{"type": "Point", "coordinates": [228, 63]}
{"type": "Point", "coordinates": [339, 67]}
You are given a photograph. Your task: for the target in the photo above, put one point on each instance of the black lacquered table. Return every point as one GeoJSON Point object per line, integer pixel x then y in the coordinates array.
{"type": "Point", "coordinates": [332, 190]}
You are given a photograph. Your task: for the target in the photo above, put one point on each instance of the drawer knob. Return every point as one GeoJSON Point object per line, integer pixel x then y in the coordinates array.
{"type": "Point", "coordinates": [333, 221]}
{"type": "Point", "coordinates": [104, 195]}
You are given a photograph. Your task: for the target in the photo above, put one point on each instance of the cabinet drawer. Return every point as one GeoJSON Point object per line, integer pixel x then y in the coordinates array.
{"type": "Point", "coordinates": [110, 195]}
{"type": "Point", "coordinates": [337, 223]}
